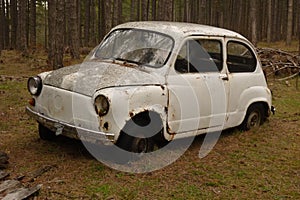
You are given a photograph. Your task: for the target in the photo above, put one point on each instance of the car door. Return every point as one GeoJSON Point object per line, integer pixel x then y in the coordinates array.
{"type": "Point", "coordinates": [244, 77]}
{"type": "Point", "coordinates": [197, 85]}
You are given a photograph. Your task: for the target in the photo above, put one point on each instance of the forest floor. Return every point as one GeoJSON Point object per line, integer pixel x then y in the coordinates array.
{"type": "Point", "coordinates": [260, 164]}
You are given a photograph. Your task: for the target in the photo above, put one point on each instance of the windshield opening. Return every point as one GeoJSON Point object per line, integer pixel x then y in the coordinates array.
{"type": "Point", "coordinates": [137, 46]}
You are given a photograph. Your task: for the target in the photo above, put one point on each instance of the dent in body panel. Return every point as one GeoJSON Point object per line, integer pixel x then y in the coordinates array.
{"type": "Point", "coordinates": [127, 102]}
{"type": "Point", "coordinates": [92, 76]}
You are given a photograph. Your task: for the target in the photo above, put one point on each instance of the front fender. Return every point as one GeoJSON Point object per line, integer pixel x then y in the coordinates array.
{"type": "Point", "coordinates": [128, 101]}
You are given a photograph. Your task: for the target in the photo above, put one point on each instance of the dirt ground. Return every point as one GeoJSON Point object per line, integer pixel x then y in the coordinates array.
{"type": "Point", "coordinates": [260, 164]}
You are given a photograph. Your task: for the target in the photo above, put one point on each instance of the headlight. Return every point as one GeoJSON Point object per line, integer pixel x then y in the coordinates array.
{"type": "Point", "coordinates": [101, 105]}
{"type": "Point", "coordinates": [34, 85]}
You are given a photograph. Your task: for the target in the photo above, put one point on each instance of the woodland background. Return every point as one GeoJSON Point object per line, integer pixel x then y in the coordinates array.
{"type": "Point", "coordinates": [257, 164]}
{"type": "Point", "coordinates": [62, 26]}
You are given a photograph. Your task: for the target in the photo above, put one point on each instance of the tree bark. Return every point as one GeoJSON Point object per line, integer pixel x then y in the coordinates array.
{"type": "Point", "coordinates": [132, 10]}
{"type": "Point", "coordinates": [1, 27]}
{"type": "Point", "coordinates": [253, 19]}
{"type": "Point", "coordinates": [22, 36]}
{"type": "Point", "coordinates": [117, 12]}
{"type": "Point", "coordinates": [56, 30]}
{"type": "Point", "coordinates": [59, 35]}
{"type": "Point", "coordinates": [93, 34]}
{"type": "Point", "coordinates": [145, 10]}
{"type": "Point", "coordinates": [32, 24]}
{"type": "Point", "coordinates": [14, 23]}
{"type": "Point", "coordinates": [108, 15]}
{"type": "Point", "coordinates": [289, 23]}
{"type": "Point", "coordinates": [153, 10]}
{"type": "Point", "coordinates": [269, 24]}
{"type": "Point", "coordinates": [74, 44]}
{"type": "Point", "coordinates": [51, 31]}
{"type": "Point", "coordinates": [6, 24]}
{"type": "Point", "coordinates": [87, 22]}
{"type": "Point", "coordinates": [168, 5]}
{"type": "Point", "coordinates": [299, 28]}
{"type": "Point", "coordinates": [46, 27]}
{"type": "Point", "coordinates": [102, 24]}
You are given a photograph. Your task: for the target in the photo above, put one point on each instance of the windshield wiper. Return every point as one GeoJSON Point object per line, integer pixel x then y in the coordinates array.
{"type": "Point", "coordinates": [126, 61]}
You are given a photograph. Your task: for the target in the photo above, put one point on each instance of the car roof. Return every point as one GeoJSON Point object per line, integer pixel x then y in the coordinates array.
{"type": "Point", "coordinates": [176, 29]}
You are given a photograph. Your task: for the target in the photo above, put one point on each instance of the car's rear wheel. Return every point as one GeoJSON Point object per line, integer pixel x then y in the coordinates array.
{"type": "Point", "coordinates": [45, 133]}
{"type": "Point", "coordinates": [255, 116]}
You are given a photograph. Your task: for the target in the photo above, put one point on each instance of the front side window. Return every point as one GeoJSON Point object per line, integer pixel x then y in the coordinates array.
{"type": "Point", "coordinates": [200, 55]}
{"type": "Point", "coordinates": [143, 47]}
{"type": "Point", "coordinates": [240, 58]}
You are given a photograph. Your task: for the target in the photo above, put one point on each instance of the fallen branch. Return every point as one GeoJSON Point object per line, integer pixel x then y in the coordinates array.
{"type": "Point", "coordinates": [289, 77]}
{"type": "Point", "coordinates": [278, 62]}
{"type": "Point", "coordinates": [22, 193]}
{"type": "Point", "coordinates": [3, 175]}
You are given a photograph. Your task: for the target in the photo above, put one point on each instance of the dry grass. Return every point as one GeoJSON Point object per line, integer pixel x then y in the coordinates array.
{"type": "Point", "coordinates": [261, 164]}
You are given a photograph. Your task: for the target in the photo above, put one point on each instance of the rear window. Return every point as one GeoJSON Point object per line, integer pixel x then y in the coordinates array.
{"type": "Point", "coordinates": [240, 58]}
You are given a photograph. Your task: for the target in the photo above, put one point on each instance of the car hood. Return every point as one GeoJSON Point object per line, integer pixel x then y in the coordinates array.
{"type": "Point", "coordinates": [89, 77]}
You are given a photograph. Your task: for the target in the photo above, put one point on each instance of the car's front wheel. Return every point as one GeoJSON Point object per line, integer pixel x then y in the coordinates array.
{"type": "Point", "coordinates": [135, 144]}
{"type": "Point", "coordinates": [45, 133]}
{"type": "Point", "coordinates": [142, 133]}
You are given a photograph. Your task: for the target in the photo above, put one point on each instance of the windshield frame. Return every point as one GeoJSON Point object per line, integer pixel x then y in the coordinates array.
{"type": "Point", "coordinates": [138, 29]}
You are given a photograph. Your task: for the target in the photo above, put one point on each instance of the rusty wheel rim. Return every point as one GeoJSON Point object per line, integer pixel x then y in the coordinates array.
{"type": "Point", "coordinates": [254, 120]}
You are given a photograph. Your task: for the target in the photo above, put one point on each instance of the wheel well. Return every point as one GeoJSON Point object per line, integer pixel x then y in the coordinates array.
{"type": "Point", "coordinates": [265, 107]}
{"type": "Point", "coordinates": [145, 118]}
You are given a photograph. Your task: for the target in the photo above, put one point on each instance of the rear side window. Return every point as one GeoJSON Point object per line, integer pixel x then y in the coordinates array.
{"type": "Point", "coordinates": [240, 58]}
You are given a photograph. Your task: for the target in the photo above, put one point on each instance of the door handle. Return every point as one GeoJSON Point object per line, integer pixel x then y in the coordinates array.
{"type": "Point", "coordinates": [224, 77]}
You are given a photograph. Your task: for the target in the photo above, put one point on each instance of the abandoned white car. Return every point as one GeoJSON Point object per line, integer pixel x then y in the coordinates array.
{"type": "Point", "coordinates": [149, 83]}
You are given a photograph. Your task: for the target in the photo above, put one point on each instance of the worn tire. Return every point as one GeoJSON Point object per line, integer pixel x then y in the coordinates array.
{"type": "Point", "coordinates": [45, 133]}
{"type": "Point", "coordinates": [255, 116]}
{"type": "Point", "coordinates": [135, 144]}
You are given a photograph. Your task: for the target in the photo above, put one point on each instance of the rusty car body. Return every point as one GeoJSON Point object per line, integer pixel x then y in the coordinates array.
{"type": "Point", "coordinates": [142, 87]}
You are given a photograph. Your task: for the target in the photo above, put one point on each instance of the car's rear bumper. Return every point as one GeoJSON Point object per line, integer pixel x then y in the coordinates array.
{"type": "Point", "coordinates": [71, 130]}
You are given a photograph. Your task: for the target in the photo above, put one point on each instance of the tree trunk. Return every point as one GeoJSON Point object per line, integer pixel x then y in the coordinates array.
{"type": "Point", "coordinates": [46, 27]}
{"type": "Point", "coordinates": [14, 23]}
{"type": "Point", "coordinates": [117, 12]}
{"type": "Point", "coordinates": [51, 31]}
{"type": "Point", "coordinates": [269, 25]}
{"type": "Point", "coordinates": [145, 10]}
{"type": "Point", "coordinates": [132, 10]}
{"type": "Point", "coordinates": [102, 24]}
{"type": "Point", "coordinates": [22, 36]}
{"type": "Point", "coordinates": [71, 6]}
{"type": "Point", "coordinates": [138, 10]}
{"type": "Point", "coordinates": [1, 27]}
{"type": "Point", "coordinates": [299, 27]}
{"type": "Point", "coordinates": [59, 35]}
{"type": "Point", "coordinates": [168, 8]}
{"type": "Point", "coordinates": [56, 30]}
{"type": "Point", "coordinates": [153, 11]}
{"type": "Point", "coordinates": [108, 15]}
{"type": "Point", "coordinates": [6, 24]}
{"type": "Point", "coordinates": [186, 17]}
{"type": "Point", "coordinates": [93, 34]}
{"type": "Point", "coordinates": [253, 19]}
{"type": "Point", "coordinates": [87, 22]}
{"type": "Point", "coordinates": [32, 24]}
{"type": "Point", "coordinates": [289, 23]}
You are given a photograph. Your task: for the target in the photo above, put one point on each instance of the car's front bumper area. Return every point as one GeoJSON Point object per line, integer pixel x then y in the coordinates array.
{"type": "Point", "coordinates": [71, 130]}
